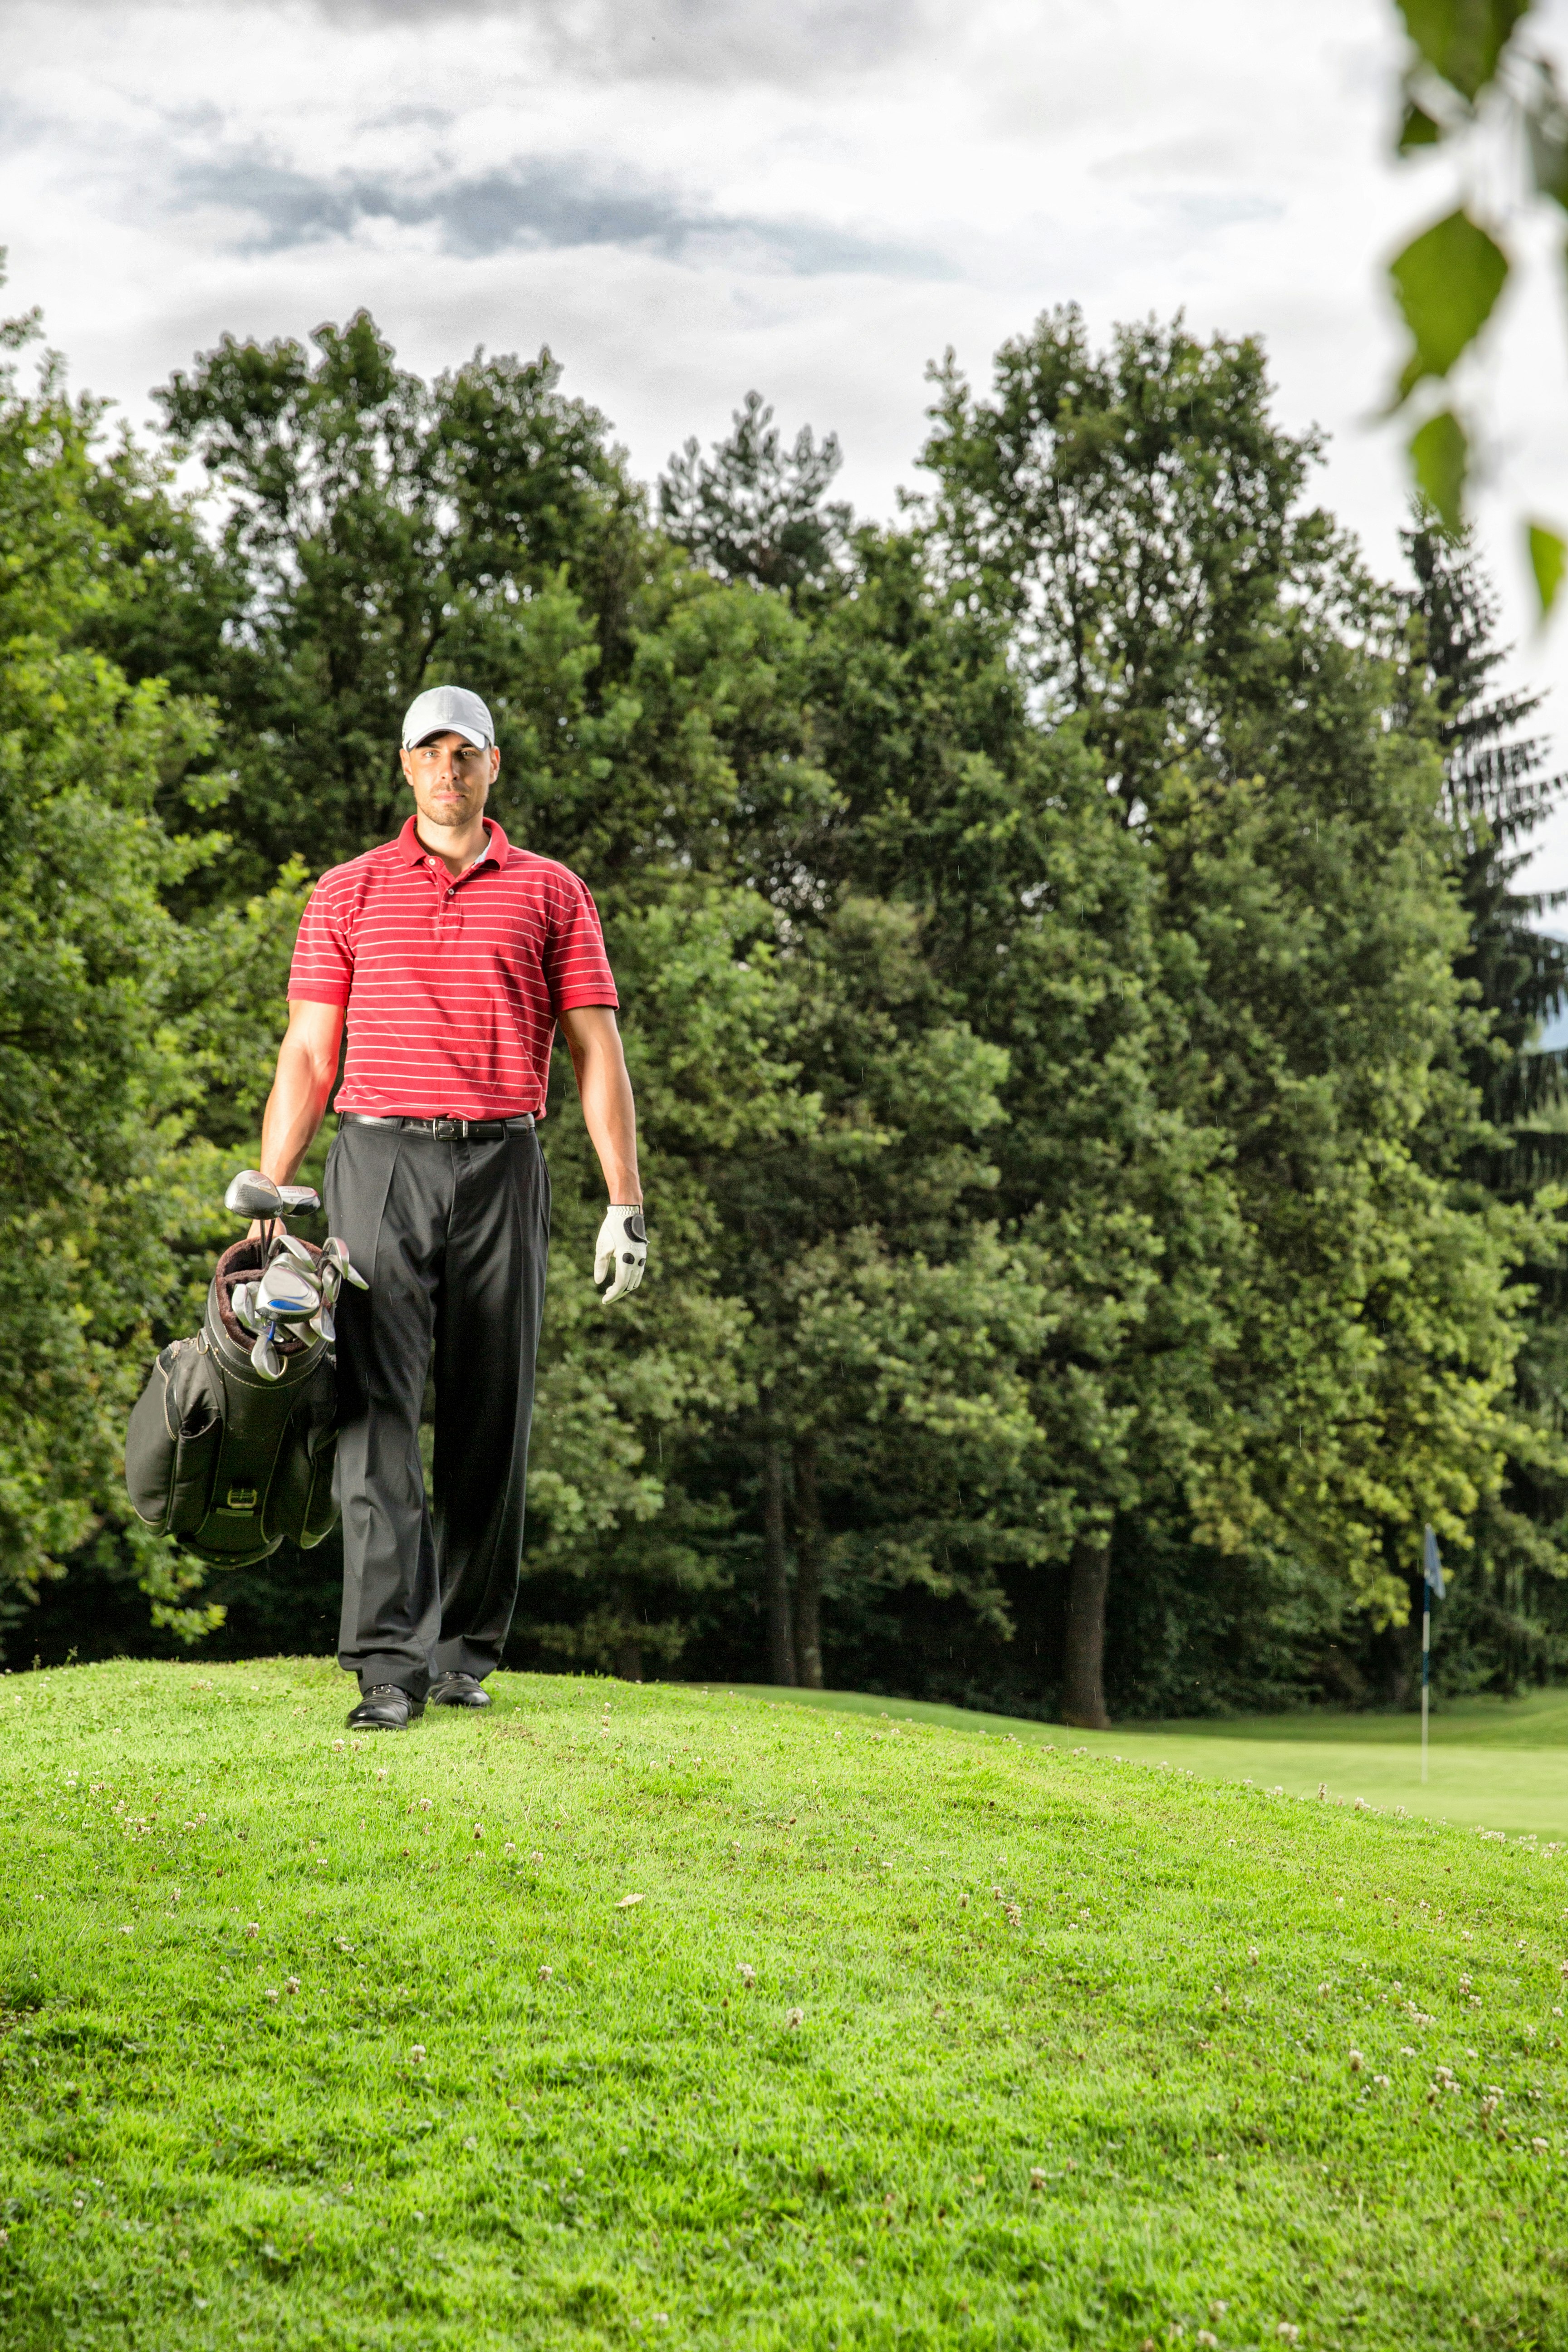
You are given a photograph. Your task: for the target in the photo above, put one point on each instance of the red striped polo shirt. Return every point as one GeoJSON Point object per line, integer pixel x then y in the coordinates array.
{"type": "Point", "coordinates": [453, 987]}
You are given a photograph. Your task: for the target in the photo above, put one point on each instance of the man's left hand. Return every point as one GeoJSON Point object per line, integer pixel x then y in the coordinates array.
{"type": "Point", "coordinates": [621, 1250]}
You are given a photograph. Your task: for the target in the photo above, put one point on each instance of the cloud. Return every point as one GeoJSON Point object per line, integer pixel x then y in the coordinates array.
{"type": "Point", "coordinates": [713, 41]}
{"type": "Point", "coordinates": [533, 204]}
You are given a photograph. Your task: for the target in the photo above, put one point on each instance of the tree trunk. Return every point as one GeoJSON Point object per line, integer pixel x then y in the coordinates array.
{"type": "Point", "coordinates": [776, 1566]}
{"type": "Point", "coordinates": [808, 1566]}
{"type": "Point", "coordinates": [1083, 1680]}
{"type": "Point", "coordinates": [629, 1660]}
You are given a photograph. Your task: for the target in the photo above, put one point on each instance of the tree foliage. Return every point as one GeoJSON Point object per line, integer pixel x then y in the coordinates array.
{"type": "Point", "coordinates": [1055, 976]}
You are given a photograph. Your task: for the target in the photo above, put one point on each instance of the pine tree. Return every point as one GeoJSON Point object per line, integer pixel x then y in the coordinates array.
{"type": "Point", "coordinates": [755, 510]}
{"type": "Point", "coordinates": [1497, 796]}
{"type": "Point", "coordinates": [1509, 1620]}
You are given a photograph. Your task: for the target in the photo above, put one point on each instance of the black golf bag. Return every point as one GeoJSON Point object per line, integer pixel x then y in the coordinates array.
{"type": "Point", "coordinates": [227, 1460]}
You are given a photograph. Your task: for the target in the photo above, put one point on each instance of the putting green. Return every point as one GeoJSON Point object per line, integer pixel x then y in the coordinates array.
{"type": "Point", "coordinates": [1495, 1764]}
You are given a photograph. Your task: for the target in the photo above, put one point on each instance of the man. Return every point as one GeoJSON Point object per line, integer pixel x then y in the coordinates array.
{"type": "Point", "coordinates": [452, 955]}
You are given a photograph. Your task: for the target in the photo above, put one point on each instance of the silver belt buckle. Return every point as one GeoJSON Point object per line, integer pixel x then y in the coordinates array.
{"type": "Point", "coordinates": [445, 1128]}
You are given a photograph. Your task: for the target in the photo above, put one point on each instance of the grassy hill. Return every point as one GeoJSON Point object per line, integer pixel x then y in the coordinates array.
{"type": "Point", "coordinates": [626, 2016]}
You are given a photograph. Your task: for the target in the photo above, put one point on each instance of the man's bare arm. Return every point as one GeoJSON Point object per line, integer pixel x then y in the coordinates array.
{"type": "Point", "coordinates": [307, 1064]}
{"type": "Point", "coordinates": [609, 1114]}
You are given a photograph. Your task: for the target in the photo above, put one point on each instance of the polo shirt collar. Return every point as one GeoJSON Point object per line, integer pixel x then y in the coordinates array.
{"type": "Point", "coordinates": [413, 851]}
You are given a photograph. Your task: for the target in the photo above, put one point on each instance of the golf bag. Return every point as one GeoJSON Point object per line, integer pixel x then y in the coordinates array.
{"type": "Point", "coordinates": [228, 1461]}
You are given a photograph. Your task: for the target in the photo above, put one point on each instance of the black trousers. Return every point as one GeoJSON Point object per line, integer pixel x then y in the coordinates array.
{"type": "Point", "coordinates": [453, 1236]}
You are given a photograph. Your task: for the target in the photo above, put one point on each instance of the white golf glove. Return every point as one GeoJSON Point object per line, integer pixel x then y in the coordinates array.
{"type": "Point", "coordinates": [621, 1250]}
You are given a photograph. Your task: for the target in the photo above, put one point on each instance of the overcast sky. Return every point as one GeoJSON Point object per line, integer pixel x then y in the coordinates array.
{"type": "Point", "coordinates": [688, 198]}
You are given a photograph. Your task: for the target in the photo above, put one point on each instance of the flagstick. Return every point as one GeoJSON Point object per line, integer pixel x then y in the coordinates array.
{"type": "Point", "coordinates": [1426, 1668]}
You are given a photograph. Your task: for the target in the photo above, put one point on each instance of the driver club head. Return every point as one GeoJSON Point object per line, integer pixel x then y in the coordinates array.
{"type": "Point", "coordinates": [252, 1194]}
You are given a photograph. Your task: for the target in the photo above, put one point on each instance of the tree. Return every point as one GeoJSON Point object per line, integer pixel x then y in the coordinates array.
{"type": "Point", "coordinates": [1508, 1621]}
{"type": "Point", "coordinates": [95, 1094]}
{"type": "Point", "coordinates": [755, 511]}
{"type": "Point", "coordinates": [1327, 1370]}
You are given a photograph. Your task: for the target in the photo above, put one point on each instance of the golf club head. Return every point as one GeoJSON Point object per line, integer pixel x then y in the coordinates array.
{"type": "Point", "coordinates": [299, 1200]}
{"type": "Point", "coordinates": [286, 1293]}
{"type": "Point", "coordinates": [242, 1299]}
{"type": "Point", "coordinates": [323, 1324]}
{"type": "Point", "coordinates": [335, 1252]}
{"type": "Point", "coordinates": [251, 1194]}
{"type": "Point", "coordinates": [266, 1357]}
{"type": "Point", "coordinates": [329, 1276]}
{"type": "Point", "coordinates": [297, 1251]}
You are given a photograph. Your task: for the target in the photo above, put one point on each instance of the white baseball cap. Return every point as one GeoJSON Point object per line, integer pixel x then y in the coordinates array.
{"type": "Point", "coordinates": [447, 709]}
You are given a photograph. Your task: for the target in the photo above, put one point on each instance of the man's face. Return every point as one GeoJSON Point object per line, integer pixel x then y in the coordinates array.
{"type": "Point", "coordinates": [451, 778]}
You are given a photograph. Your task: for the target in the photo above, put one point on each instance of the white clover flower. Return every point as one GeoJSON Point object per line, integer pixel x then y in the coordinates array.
{"type": "Point", "coordinates": [271, 1993]}
{"type": "Point", "coordinates": [545, 1975]}
{"type": "Point", "coordinates": [536, 1857]}
{"type": "Point", "coordinates": [1357, 2061]}
{"type": "Point", "coordinates": [509, 1847]}
{"type": "Point", "coordinates": [748, 1976]}
{"type": "Point", "coordinates": [794, 2018]}
{"type": "Point", "coordinates": [417, 2052]}
{"type": "Point", "coordinates": [291, 1984]}
{"type": "Point", "coordinates": [1287, 2334]}
{"type": "Point", "coordinates": [253, 1927]}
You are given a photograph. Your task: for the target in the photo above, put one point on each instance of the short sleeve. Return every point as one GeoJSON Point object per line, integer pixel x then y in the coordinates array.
{"type": "Point", "coordinates": [576, 969]}
{"type": "Point", "coordinates": [323, 966]}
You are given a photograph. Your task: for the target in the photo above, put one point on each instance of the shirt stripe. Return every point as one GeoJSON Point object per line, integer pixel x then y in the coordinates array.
{"type": "Point", "coordinates": [452, 987]}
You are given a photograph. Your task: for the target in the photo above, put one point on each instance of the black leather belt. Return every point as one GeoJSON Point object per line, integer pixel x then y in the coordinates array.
{"type": "Point", "coordinates": [472, 1131]}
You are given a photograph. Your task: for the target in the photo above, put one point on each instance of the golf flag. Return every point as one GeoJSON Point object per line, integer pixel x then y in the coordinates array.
{"type": "Point", "coordinates": [1431, 1565]}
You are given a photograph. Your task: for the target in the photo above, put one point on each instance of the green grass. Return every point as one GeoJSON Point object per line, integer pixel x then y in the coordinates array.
{"type": "Point", "coordinates": [500, 2109]}
{"type": "Point", "coordinates": [1495, 1764]}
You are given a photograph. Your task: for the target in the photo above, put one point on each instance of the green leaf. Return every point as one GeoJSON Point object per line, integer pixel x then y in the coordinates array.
{"type": "Point", "coordinates": [1439, 456]}
{"type": "Point", "coordinates": [1462, 39]}
{"type": "Point", "coordinates": [1548, 558]}
{"type": "Point", "coordinates": [1446, 281]}
{"type": "Point", "coordinates": [1418, 129]}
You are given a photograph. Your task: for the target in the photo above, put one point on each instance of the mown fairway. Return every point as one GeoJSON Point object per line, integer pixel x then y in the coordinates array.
{"type": "Point", "coordinates": [915, 2037]}
{"type": "Point", "coordinates": [1497, 1764]}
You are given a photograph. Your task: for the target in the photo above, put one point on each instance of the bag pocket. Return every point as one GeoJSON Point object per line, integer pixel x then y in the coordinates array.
{"type": "Point", "coordinates": [299, 1502]}
{"type": "Point", "coordinates": [172, 1439]}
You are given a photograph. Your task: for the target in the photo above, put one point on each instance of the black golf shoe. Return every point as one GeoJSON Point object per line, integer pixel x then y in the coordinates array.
{"type": "Point", "coordinates": [458, 1690]}
{"type": "Point", "coordinates": [386, 1707]}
